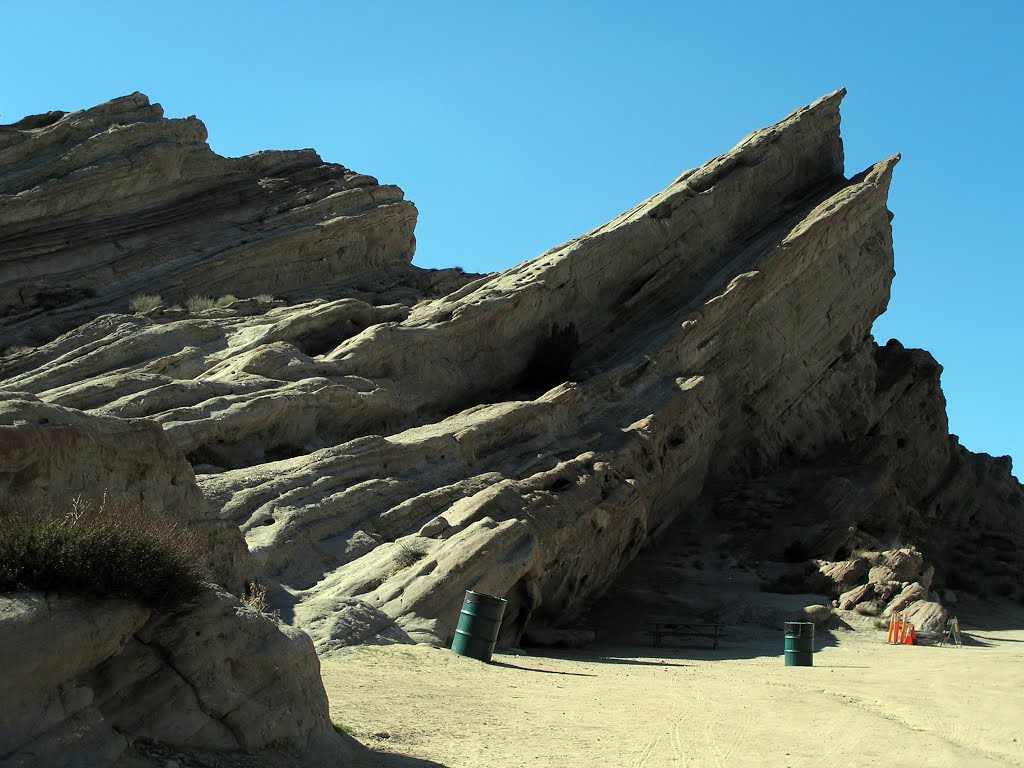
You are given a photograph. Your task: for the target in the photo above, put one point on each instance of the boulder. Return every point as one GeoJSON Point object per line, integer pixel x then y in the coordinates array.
{"type": "Point", "coordinates": [905, 564]}
{"type": "Point", "coordinates": [842, 575]}
{"type": "Point", "coordinates": [881, 575]}
{"type": "Point", "coordinates": [926, 616]}
{"type": "Point", "coordinates": [93, 682]}
{"type": "Point", "coordinates": [819, 615]}
{"type": "Point", "coordinates": [857, 595]}
{"type": "Point", "coordinates": [910, 593]}
{"type": "Point", "coordinates": [927, 577]}
{"type": "Point", "coordinates": [870, 608]}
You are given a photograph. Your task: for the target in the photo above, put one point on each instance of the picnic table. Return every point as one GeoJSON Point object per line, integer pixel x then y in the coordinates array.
{"type": "Point", "coordinates": [662, 628]}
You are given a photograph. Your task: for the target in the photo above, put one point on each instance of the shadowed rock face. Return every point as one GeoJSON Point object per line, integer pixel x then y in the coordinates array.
{"type": "Point", "coordinates": [99, 205]}
{"type": "Point", "coordinates": [703, 360]}
{"type": "Point", "coordinates": [111, 683]}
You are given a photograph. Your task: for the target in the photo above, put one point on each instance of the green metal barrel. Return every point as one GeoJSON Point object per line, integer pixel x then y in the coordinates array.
{"type": "Point", "coordinates": [799, 644]}
{"type": "Point", "coordinates": [478, 627]}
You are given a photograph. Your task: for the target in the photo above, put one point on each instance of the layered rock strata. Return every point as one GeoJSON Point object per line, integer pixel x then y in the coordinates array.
{"type": "Point", "coordinates": [102, 204]}
{"type": "Point", "coordinates": [704, 360]}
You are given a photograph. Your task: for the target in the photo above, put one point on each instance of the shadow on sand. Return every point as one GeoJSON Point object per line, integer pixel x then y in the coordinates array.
{"type": "Point", "coordinates": [373, 759]}
{"type": "Point", "coordinates": [737, 643]}
{"type": "Point", "coordinates": [534, 669]}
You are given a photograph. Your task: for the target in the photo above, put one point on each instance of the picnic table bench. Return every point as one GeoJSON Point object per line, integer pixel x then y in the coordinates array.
{"type": "Point", "coordinates": [662, 628]}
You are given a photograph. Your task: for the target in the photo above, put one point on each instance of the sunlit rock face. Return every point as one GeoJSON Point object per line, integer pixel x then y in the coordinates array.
{"type": "Point", "coordinates": [704, 357]}
{"type": "Point", "coordinates": [102, 204]}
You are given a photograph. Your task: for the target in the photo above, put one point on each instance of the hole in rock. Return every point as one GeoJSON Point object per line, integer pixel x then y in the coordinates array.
{"type": "Point", "coordinates": [551, 360]}
{"type": "Point", "coordinates": [560, 485]}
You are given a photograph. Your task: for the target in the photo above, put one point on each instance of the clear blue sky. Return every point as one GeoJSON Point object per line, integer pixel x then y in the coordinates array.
{"type": "Point", "coordinates": [514, 127]}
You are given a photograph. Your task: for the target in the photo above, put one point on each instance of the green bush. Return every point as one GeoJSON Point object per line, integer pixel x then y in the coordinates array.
{"type": "Point", "coordinates": [110, 549]}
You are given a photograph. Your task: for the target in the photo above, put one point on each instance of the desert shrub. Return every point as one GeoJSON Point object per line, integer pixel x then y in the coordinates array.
{"type": "Point", "coordinates": [145, 302]}
{"type": "Point", "coordinates": [108, 549]}
{"type": "Point", "coordinates": [255, 596]}
{"type": "Point", "coordinates": [226, 301]}
{"type": "Point", "coordinates": [200, 303]}
{"type": "Point", "coordinates": [409, 555]}
{"type": "Point", "coordinates": [265, 298]}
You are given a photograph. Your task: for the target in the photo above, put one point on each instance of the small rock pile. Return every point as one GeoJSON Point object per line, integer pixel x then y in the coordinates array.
{"type": "Point", "coordinates": [882, 583]}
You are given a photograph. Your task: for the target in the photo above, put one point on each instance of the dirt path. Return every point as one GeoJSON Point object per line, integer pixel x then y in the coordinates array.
{"type": "Point", "coordinates": [739, 706]}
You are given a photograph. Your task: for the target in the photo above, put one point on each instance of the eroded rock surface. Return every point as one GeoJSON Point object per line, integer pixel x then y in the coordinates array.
{"type": "Point", "coordinates": [50, 454]}
{"type": "Point", "coordinates": [102, 204]}
{"type": "Point", "coordinates": [702, 362]}
{"type": "Point", "coordinates": [110, 683]}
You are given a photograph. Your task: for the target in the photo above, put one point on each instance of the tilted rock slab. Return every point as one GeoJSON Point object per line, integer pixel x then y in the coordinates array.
{"type": "Point", "coordinates": [707, 353]}
{"type": "Point", "coordinates": [102, 204]}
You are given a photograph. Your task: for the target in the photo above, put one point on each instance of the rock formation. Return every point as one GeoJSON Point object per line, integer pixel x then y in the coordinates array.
{"type": "Point", "coordinates": [894, 581]}
{"type": "Point", "coordinates": [97, 682]}
{"type": "Point", "coordinates": [702, 362]}
{"type": "Point", "coordinates": [99, 205]}
{"type": "Point", "coordinates": [51, 454]}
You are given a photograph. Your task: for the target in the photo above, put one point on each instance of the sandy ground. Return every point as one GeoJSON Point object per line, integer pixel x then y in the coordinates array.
{"type": "Point", "coordinates": [862, 702]}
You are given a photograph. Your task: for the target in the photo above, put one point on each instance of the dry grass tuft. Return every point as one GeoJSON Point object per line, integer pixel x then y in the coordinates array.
{"type": "Point", "coordinates": [408, 556]}
{"type": "Point", "coordinates": [200, 303]}
{"type": "Point", "coordinates": [255, 596]}
{"type": "Point", "coordinates": [145, 302]}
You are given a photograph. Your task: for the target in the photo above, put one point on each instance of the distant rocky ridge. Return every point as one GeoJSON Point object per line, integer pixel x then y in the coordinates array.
{"type": "Point", "coordinates": [702, 362]}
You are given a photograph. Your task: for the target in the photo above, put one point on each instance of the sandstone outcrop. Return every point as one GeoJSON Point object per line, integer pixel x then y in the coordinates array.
{"type": "Point", "coordinates": [110, 683]}
{"type": "Point", "coordinates": [704, 360]}
{"type": "Point", "coordinates": [50, 454]}
{"type": "Point", "coordinates": [102, 204]}
{"type": "Point", "coordinates": [900, 581]}
{"type": "Point", "coordinates": [927, 616]}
